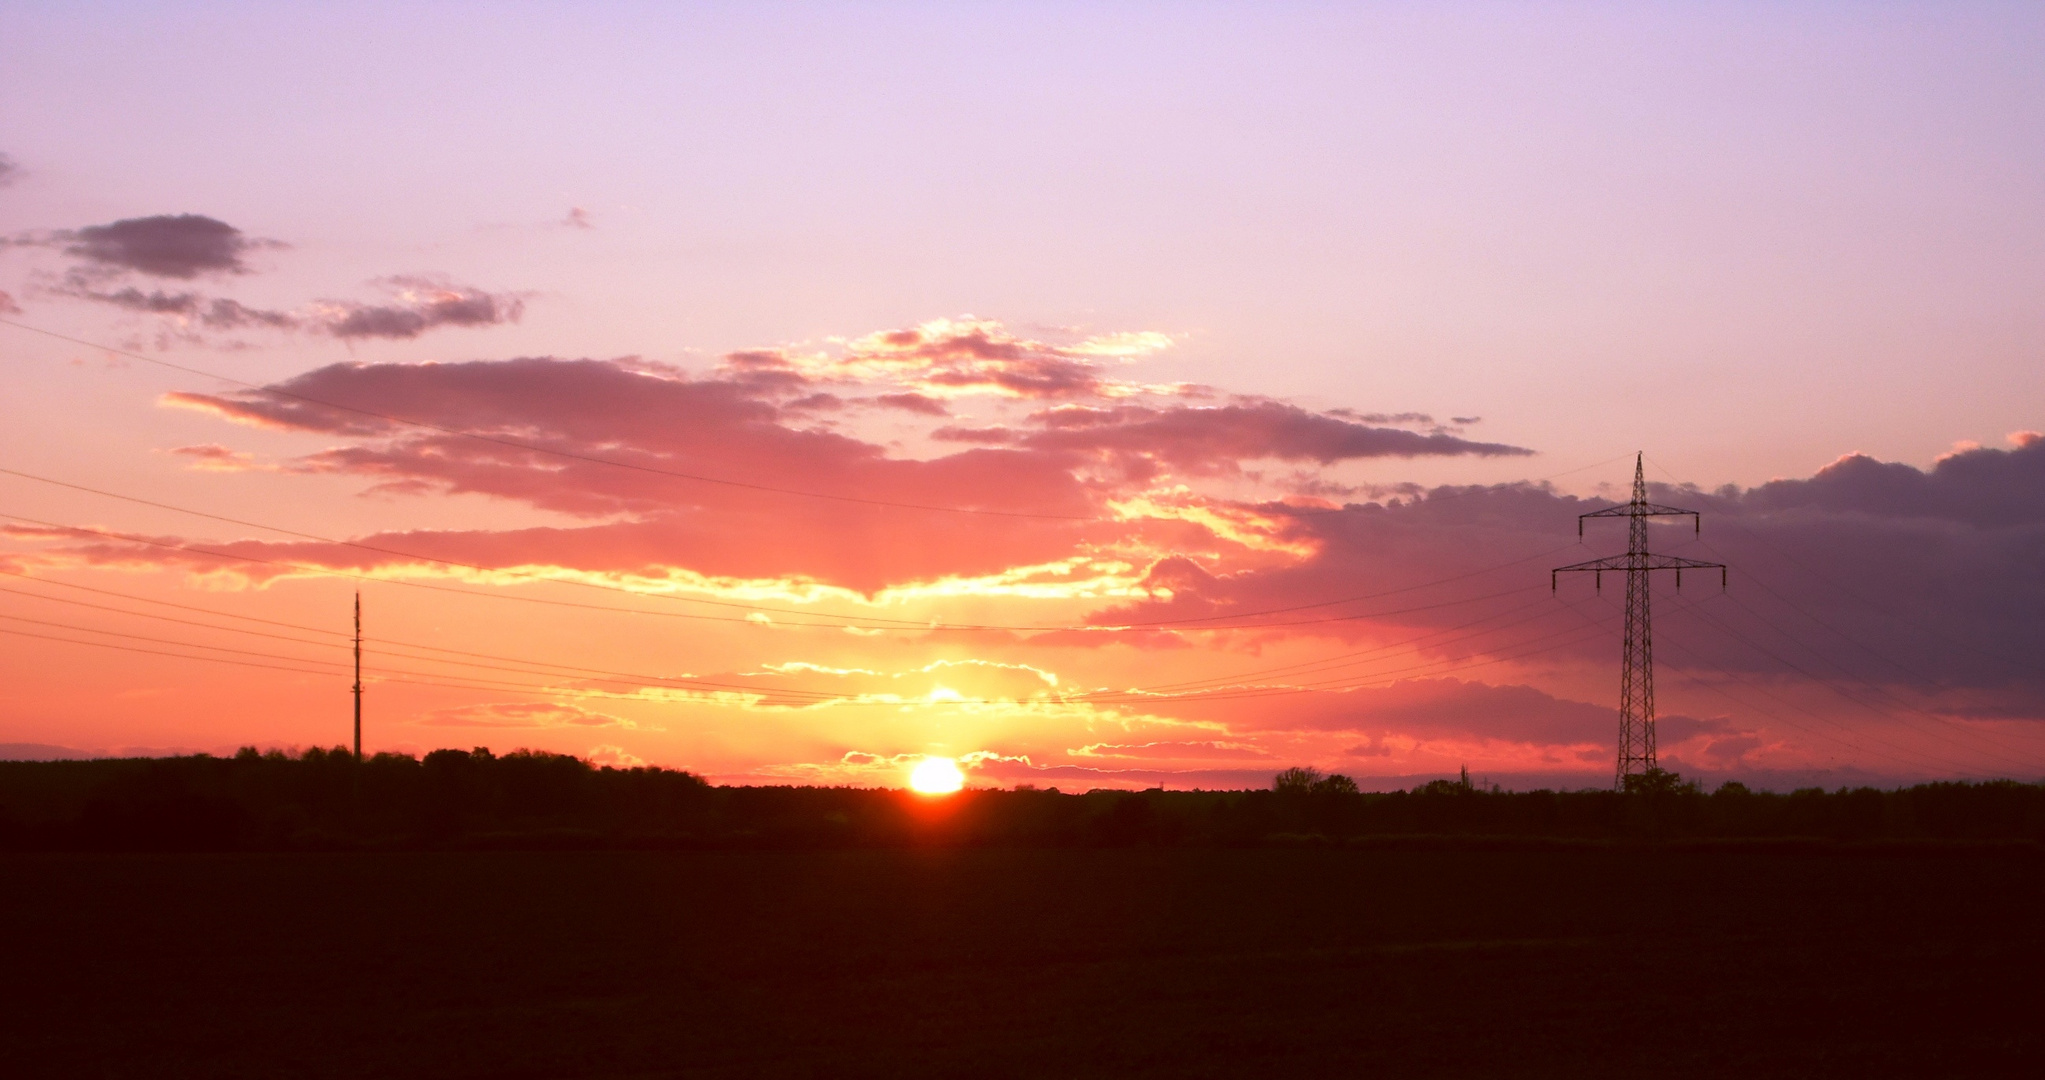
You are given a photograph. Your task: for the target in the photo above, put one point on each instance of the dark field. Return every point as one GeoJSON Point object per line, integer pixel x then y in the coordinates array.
{"type": "Point", "coordinates": [1044, 962]}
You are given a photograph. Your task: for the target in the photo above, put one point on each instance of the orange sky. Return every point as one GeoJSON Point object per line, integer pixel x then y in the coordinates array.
{"type": "Point", "coordinates": [670, 438]}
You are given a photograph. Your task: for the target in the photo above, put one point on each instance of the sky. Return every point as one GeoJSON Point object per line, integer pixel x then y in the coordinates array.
{"type": "Point", "coordinates": [1105, 395]}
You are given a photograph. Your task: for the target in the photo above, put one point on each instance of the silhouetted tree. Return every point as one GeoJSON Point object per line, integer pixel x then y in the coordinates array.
{"type": "Point", "coordinates": [1334, 784]}
{"type": "Point", "coordinates": [1298, 780]}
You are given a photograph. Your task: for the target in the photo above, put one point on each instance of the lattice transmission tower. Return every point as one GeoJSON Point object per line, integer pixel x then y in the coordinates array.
{"type": "Point", "coordinates": [1636, 662]}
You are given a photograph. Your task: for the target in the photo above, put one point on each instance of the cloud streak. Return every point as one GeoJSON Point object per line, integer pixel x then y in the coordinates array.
{"type": "Point", "coordinates": [520, 714]}
{"type": "Point", "coordinates": [214, 313]}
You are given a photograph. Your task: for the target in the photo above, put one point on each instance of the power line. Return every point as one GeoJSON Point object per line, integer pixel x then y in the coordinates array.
{"type": "Point", "coordinates": [324, 644]}
{"type": "Point", "coordinates": [1909, 756]}
{"type": "Point", "coordinates": [168, 618]}
{"type": "Point", "coordinates": [342, 667]}
{"type": "Point", "coordinates": [1763, 650]}
{"type": "Point", "coordinates": [1904, 755]}
{"type": "Point", "coordinates": [166, 641]}
{"type": "Point", "coordinates": [180, 656]}
{"type": "Point", "coordinates": [1446, 666]}
{"type": "Point", "coordinates": [1204, 689]}
{"type": "Point", "coordinates": [1349, 659]}
{"type": "Point", "coordinates": [1869, 684]}
{"type": "Point", "coordinates": [1805, 672]}
{"type": "Point", "coordinates": [500, 688]}
{"type": "Point", "coordinates": [650, 679]}
{"type": "Point", "coordinates": [165, 603]}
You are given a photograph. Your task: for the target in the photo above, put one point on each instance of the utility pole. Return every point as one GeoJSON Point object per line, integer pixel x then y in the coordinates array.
{"type": "Point", "coordinates": [358, 674]}
{"type": "Point", "coordinates": [1636, 661]}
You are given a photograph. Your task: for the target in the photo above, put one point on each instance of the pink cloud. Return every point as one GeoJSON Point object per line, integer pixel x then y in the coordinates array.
{"type": "Point", "coordinates": [946, 358]}
{"type": "Point", "coordinates": [1174, 751]}
{"type": "Point", "coordinates": [418, 304]}
{"type": "Point", "coordinates": [1201, 441]}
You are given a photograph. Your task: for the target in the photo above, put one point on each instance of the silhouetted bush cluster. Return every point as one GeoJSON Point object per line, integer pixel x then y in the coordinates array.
{"type": "Point", "coordinates": [326, 798]}
{"type": "Point", "coordinates": [451, 798]}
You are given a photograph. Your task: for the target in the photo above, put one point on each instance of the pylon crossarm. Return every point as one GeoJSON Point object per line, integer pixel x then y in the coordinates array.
{"type": "Point", "coordinates": [1629, 562]}
{"type": "Point", "coordinates": [1642, 510]}
{"type": "Point", "coordinates": [1639, 509]}
{"type": "Point", "coordinates": [1639, 562]}
{"type": "Point", "coordinates": [1677, 562]}
{"type": "Point", "coordinates": [1609, 562]}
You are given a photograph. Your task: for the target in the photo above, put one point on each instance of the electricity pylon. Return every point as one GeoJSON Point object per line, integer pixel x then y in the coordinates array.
{"type": "Point", "coordinates": [1636, 662]}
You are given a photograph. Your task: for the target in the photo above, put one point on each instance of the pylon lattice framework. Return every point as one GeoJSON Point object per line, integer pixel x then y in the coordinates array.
{"type": "Point", "coordinates": [1636, 662]}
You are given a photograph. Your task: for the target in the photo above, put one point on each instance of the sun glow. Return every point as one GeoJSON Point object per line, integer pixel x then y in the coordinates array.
{"type": "Point", "coordinates": [936, 776]}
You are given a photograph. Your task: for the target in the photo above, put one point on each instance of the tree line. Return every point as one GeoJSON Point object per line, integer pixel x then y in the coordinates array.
{"type": "Point", "coordinates": [327, 799]}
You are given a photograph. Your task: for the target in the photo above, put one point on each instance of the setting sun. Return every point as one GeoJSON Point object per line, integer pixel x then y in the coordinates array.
{"type": "Point", "coordinates": [936, 776]}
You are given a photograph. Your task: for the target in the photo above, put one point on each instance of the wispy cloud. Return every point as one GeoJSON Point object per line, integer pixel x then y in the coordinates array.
{"type": "Point", "coordinates": [521, 714]}
{"type": "Point", "coordinates": [213, 457]}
